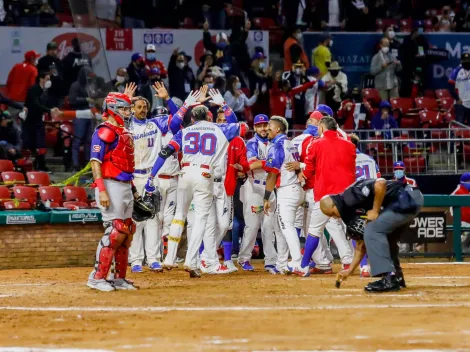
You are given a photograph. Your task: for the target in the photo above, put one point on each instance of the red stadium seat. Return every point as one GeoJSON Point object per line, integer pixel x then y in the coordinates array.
{"type": "Point", "coordinates": [25, 164]}
{"type": "Point", "coordinates": [188, 23]}
{"type": "Point", "coordinates": [52, 194]}
{"type": "Point", "coordinates": [429, 93]}
{"type": "Point", "coordinates": [443, 93]}
{"type": "Point", "coordinates": [26, 194]}
{"type": "Point", "coordinates": [38, 178]}
{"type": "Point", "coordinates": [415, 164]}
{"type": "Point", "coordinates": [12, 205]}
{"type": "Point", "coordinates": [409, 121]}
{"type": "Point", "coordinates": [6, 165]}
{"type": "Point", "coordinates": [431, 118]}
{"type": "Point", "coordinates": [74, 205]}
{"type": "Point", "coordinates": [13, 177]}
{"type": "Point", "coordinates": [264, 23]}
{"type": "Point", "coordinates": [5, 195]}
{"type": "Point", "coordinates": [51, 136]}
{"type": "Point", "coordinates": [426, 103]}
{"type": "Point", "coordinates": [371, 95]}
{"type": "Point", "coordinates": [462, 133]}
{"type": "Point", "coordinates": [446, 103]}
{"type": "Point", "coordinates": [402, 104]}
{"type": "Point", "coordinates": [385, 163]}
{"type": "Point", "coordinates": [406, 25]}
{"type": "Point", "coordinates": [73, 193]}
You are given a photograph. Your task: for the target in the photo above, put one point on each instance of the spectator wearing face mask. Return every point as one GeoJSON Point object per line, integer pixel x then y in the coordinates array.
{"type": "Point", "coordinates": [383, 121]}
{"type": "Point", "coordinates": [400, 175]}
{"type": "Point", "coordinates": [221, 49]}
{"type": "Point", "coordinates": [72, 63]}
{"type": "Point", "coordinates": [293, 49]}
{"type": "Point", "coordinates": [354, 112]}
{"type": "Point", "coordinates": [136, 72]}
{"type": "Point", "coordinates": [22, 77]}
{"type": "Point", "coordinates": [394, 42]}
{"type": "Point", "coordinates": [460, 78]}
{"type": "Point", "coordinates": [314, 93]}
{"type": "Point", "coordinates": [181, 77]}
{"type": "Point", "coordinates": [321, 55]}
{"type": "Point", "coordinates": [208, 67]}
{"type": "Point", "coordinates": [52, 64]}
{"type": "Point", "coordinates": [297, 78]}
{"type": "Point", "coordinates": [259, 77]}
{"type": "Point", "coordinates": [385, 68]}
{"type": "Point", "coordinates": [151, 60]}
{"type": "Point", "coordinates": [236, 99]}
{"type": "Point", "coordinates": [462, 18]}
{"type": "Point", "coordinates": [446, 22]}
{"type": "Point", "coordinates": [118, 83]}
{"type": "Point", "coordinates": [337, 83]}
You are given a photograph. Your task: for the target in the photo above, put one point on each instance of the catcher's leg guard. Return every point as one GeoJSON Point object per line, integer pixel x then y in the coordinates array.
{"type": "Point", "coordinates": [121, 256]}
{"type": "Point", "coordinates": [115, 234]}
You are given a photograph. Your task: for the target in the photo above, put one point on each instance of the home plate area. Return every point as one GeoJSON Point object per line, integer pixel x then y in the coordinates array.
{"type": "Point", "coordinates": [53, 310]}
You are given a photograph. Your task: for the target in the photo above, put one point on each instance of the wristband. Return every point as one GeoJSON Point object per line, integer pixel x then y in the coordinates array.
{"type": "Point", "coordinates": [99, 182]}
{"type": "Point", "coordinates": [267, 195]}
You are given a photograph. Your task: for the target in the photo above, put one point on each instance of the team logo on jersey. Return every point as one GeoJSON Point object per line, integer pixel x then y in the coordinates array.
{"type": "Point", "coordinates": [257, 209]}
{"type": "Point", "coordinates": [172, 203]}
{"type": "Point", "coordinates": [365, 191]}
{"type": "Point", "coordinates": [96, 148]}
{"type": "Point", "coordinates": [206, 175]}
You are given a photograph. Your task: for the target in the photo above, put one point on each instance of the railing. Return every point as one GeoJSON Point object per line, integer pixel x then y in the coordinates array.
{"type": "Point", "coordinates": [423, 150]}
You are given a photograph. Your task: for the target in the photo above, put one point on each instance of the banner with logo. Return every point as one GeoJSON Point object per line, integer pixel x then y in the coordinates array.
{"type": "Point", "coordinates": [354, 52]}
{"type": "Point", "coordinates": [64, 216]}
{"type": "Point", "coordinates": [427, 227]}
{"type": "Point", "coordinates": [109, 49]}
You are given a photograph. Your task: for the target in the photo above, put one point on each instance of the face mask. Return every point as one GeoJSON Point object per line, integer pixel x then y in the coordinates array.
{"type": "Point", "coordinates": [391, 34]}
{"type": "Point", "coordinates": [151, 56]}
{"type": "Point", "coordinates": [298, 36]}
{"type": "Point", "coordinates": [262, 65]}
{"type": "Point", "coordinates": [210, 85]}
{"type": "Point", "coordinates": [48, 84]}
{"type": "Point", "coordinates": [399, 174]}
{"type": "Point", "coordinates": [331, 43]}
{"type": "Point", "coordinates": [297, 71]}
{"type": "Point", "coordinates": [385, 49]}
{"type": "Point", "coordinates": [334, 73]}
{"type": "Point", "coordinates": [120, 79]}
{"type": "Point", "coordinates": [180, 65]}
{"type": "Point", "coordinates": [466, 65]}
{"type": "Point", "coordinates": [141, 64]}
{"type": "Point", "coordinates": [238, 85]}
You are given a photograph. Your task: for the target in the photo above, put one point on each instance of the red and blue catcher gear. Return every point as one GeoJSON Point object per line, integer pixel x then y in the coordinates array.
{"type": "Point", "coordinates": [115, 243]}
{"type": "Point", "coordinates": [113, 102]}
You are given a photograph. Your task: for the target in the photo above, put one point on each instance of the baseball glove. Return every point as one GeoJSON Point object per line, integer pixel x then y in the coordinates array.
{"type": "Point", "coordinates": [355, 228]}
{"type": "Point", "coordinates": [146, 207]}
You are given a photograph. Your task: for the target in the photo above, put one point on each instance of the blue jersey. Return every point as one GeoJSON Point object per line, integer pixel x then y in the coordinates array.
{"type": "Point", "coordinates": [281, 152]}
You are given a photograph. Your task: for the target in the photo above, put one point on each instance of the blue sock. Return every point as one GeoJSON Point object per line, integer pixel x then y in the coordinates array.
{"type": "Point", "coordinates": [311, 245]}
{"type": "Point", "coordinates": [201, 249]}
{"type": "Point", "coordinates": [299, 231]}
{"type": "Point", "coordinates": [227, 250]}
{"type": "Point", "coordinates": [364, 261]}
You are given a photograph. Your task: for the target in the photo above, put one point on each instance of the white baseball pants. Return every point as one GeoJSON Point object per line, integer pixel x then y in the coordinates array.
{"type": "Point", "coordinates": [193, 188]}
{"type": "Point", "coordinates": [167, 189]}
{"type": "Point", "coordinates": [288, 198]}
{"type": "Point", "coordinates": [147, 239]}
{"type": "Point", "coordinates": [252, 197]}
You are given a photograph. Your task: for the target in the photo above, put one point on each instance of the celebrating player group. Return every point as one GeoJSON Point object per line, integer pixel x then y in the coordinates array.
{"type": "Point", "coordinates": [155, 179]}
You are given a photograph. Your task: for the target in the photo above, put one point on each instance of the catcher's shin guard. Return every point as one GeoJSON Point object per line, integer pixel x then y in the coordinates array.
{"type": "Point", "coordinates": [115, 235]}
{"type": "Point", "coordinates": [121, 257]}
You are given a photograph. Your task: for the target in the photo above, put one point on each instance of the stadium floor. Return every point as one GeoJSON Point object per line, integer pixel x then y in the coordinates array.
{"type": "Point", "coordinates": [48, 309]}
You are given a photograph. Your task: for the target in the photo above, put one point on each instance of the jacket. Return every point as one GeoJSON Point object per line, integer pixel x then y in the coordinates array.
{"type": "Point", "coordinates": [35, 102]}
{"type": "Point", "coordinates": [294, 52]}
{"type": "Point", "coordinates": [71, 65]}
{"type": "Point", "coordinates": [78, 94]}
{"type": "Point", "coordinates": [177, 78]}
{"type": "Point", "coordinates": [385, 78]}
{"type": "Point", "coordinates": [335, 157]}
{"type": "Point", "coordinates": [21, 77]}
{"type": "Point", "coordinates": [465, 211]}
{"type": "Point", "coordinates": [236, 155]}
{"type": "Point", "coordinates": [280, 100]}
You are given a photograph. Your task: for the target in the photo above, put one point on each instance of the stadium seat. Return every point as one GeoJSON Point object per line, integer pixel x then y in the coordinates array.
{"type": "Point", "coordinates": [52, 194]}
{"type": "Point", "coordinates": [402, 104]}
{"type": "Point", "coordinates": [446, 103]}
{"type": "Point", "coordinates": [429, 93]}
{"type": "Point", "coordinates": [426, 103]}
{"type": "Point", "coordinates": [409, 121]}
{"type": "Point", "coordinates": [406, 25]}
{"type": "Point", "coordinates": [371, 95]}
{"type": "Point", "coordinates": [74, 205]}
{"type": "Point", "coordinates": [415, 164]}
{"type": "Point", "coordinates": [16, 205]}
{"type": "Point", "coordinates": [443, 93]}
{"type": "Point", "coordinates": [38, 178]}
{"type": "Point", "coordinates": [382, 23]}
{"type": "Point", "coordinates": [462, 133]}
{"type": "Point", "coordinates": [188, 23]}
{"type": "Point", "coordinates": [6, 165]}
{"type": "Point", "coordinates": [25, 164]}
{"type": "Point", "coordinates": [94, 204]}
{"type": "Point", "coordinates": [264, 23]}
{"type": "Point", "coordinates": [26, 194]}
{"type": "Point", "coordinates": [51, 136]}
{"type": "Point", "coordinates": [5, 195]}
{"type": "Point", "coordinates": [385, 163]}
{"type": "Point", "coordinates": [74, 193]}
{"type": "Point", "coordinates": [433, 119]}
{"type": "Point", "coordinates": [13, 177]}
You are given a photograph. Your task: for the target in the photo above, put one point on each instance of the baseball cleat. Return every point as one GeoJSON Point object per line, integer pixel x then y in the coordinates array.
{"type": "Point", "coordinates": [284, 270]}
{"type": "Point", "coordinates": [230, 266]}
{"type": "Point", "coordinates": [401, 279]}
{"type": "Point", "coordinates": [220, 269]}
{"type": "Point", "coordinates": [271, 269]}
{"type": "Point", "coordinates": [322, 269]}
{"type": "Point", "coordinates": [136, 269]}
{"type": "Point", "coordinates": [100, 285]}
{"type": "Point", "coordinates": [365, 271]}
{"type": "Point", "coordinates": [388, 283]}
{"type": "Point", "coordinates": [168, 266]}
{"type": "Point", "coordinates": [234, 256]}
{"type": "Point", "coordinates": [156, 266]}
{"type": "Point", "coordinates": [123, 284]}
{"type": "Point", "coordinates": [179, 260]}
{"type": "Point", "coordinates": [312, 264]}
{"type": "Point", "coordinates": [193, 273]}
{"type": "Point", "coordinates": [204, 267]}
{"type": "Point", "coordinates": [246, 266]}
{"type": "Point", "coordinates": [302, 272]}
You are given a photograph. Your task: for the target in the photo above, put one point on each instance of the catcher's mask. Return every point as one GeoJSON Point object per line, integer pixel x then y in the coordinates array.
{"type": "Point", "coordinates": [355, 228]}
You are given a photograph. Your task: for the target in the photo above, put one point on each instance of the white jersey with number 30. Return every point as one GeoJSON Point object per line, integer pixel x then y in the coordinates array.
{"type": "Point", "coordinates": [366, 167]}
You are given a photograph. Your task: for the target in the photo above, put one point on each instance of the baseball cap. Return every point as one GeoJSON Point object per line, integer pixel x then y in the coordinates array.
{"type": "Point", "coordinates": [51, 46]}
{"type": "Point", "coordinates": [137, 56]}
{"type": "Point", "coordinates": [312, 71]}
{"type": "Point", "coordinates": [258, 55]}
{"type": "Point", "coordinates": [325, 109]}
{"type": "Point", "coordinates": [316, 115]}
{"type": "Point", "coordinates": [399, 165]}
{"type": "Point", "coordinates": [154, 71]}
{"type": "Point", "coordinates": [151, 47]}
{"type": "Point", "coordinates": [465, 57]}
{"type": "Point", "coordinates": [31, 55]}
{"type": "Point", "coordinates": [465, 177]}
{"type": "Point", "coordinates": [261, 118]}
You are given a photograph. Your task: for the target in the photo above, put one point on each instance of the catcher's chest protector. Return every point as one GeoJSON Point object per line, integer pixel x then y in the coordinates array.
{"type": "Point", "coordinates": [122, 155]}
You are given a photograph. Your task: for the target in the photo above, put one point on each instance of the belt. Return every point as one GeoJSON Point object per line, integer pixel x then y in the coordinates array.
{"type": "Point", "coordinates": [113, 179]}
{"type": "Point", "coordinates": [166, 177]}
{"type": "Point", "coordinates": [203, 166]}
{"type": "Point", "coordinates": [259, 182]}
{"type": "Point", "coordinates": [142, 171]}
{"type": "Point", "coordinates": [218, 179]}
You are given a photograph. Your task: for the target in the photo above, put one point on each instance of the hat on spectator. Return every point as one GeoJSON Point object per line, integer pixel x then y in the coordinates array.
{"type": "Point", "coordinates": [154, 71]}
{"type": "Point", "coordinates": [189, 58]}
{"type": "Point", "coordinates": [316, 115]}
{"type": "Point", "coordinates": [221, 36]}
{"type": "Point", "coordinates": [150, 47]}
{"type": "Point", "coordinates": [385, 104]}
{"type": "Point", "coordinates": [258, 55]}
{"type": "Point", "coordinates": [465, 57]}
{"type": "Point", "coordinates": [312, 71]}
{"type": "Point", "coordinates": [31, 55]}
{"type": "Point", "coordinates": [465, 177]}
{"type": "Point", "coordinates": [51, 46]}
{"type": "Point", "coordinates": [261, 118]}
{"type": "Point", "coordinates": [334, 66]}
{"type": "Point", "coordinates": [325, 109]}
{"type": "Point", "coordinates": [137, 57]}
{"type": "Point", "coordinates": [399, 165]}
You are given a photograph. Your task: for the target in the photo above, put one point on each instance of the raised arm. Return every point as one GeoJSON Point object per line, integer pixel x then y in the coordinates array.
{"type": "Point", "coordinates": [219, 100]}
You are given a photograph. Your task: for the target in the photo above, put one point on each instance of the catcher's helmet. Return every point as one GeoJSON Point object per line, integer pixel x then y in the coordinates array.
{"type": "Point", "coordinates": [112, 104]}
{"type": "Point", "coordinates": [355, 228]}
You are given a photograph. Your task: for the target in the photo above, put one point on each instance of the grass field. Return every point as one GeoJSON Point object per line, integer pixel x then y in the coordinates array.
{"type": "Point", "coordinates": [48, 309]}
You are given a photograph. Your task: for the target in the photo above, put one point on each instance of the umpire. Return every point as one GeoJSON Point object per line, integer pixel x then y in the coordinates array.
{"type": "Point", "coordinates": [389, 207]}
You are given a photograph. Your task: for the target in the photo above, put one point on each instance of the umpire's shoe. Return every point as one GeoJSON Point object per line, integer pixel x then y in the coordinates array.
{"type": "Point", "coordinates": [401, 279]}
{"type": "Point", "coordinates": [388, 283]}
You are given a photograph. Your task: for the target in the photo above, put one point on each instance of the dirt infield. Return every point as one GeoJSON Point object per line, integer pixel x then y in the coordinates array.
{"type": "Point", "coordinates": [245, 311]}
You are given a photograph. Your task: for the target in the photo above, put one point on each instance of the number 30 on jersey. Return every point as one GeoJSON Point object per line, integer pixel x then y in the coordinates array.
{"type": "Point", "coordinates": [195, 142]}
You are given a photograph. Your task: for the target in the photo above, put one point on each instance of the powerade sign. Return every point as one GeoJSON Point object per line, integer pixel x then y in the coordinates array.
{"type": "Point", "coordinates": [429, 227]}
{"type": "Point", "coordinates": [354, 52]}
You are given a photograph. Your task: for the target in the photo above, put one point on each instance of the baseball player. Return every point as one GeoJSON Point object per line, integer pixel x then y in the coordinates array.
{"type": "Point", "coordinates": [112, 163]}
{"type": "Point", "coordinates": [399, 174]}
{"type": "Point", "coordinates": [204, 145]}
{"type": "Point", "coordinates": [251, 195]}
{"type": "Point", "coordinates": [150, 135]}
{"type": "Point", "coordinates": [289, 193]}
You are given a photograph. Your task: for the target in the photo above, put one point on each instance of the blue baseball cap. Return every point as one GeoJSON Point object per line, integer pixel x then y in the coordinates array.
{"type": "Point", "coordinates": [312, 71]}
{"type": "Point", "coordinates": [154, 71]}
{"type": "Point", "coordinates": [325, 109]}
{"type": "Point", "coordinates": [137, 56]}
{"type": "Point", "coordinates": [258, 55]}
{"type": "Point", "coordinates": [399, 165]}
{"type": "Point", "coordinates": [261, 118]}
{"type": "Point", "coordinates": [465, 177]}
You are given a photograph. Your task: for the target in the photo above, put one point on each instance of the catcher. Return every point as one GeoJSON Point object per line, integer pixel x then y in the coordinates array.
{"type": "Point", "coordinates": [375, 212]}
{"type": "Point", "coordinates": [112, 163]}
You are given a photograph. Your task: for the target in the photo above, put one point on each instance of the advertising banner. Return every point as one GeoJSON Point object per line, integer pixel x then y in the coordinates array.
{"type": "Point", "coordinates": [427, 227]}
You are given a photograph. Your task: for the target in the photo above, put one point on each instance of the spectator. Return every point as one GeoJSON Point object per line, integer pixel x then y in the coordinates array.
{"type": "Point", "coordinates": [8, 137]}
{"type": "Point", "coordinates": [389, 33]}
{"type": "Point", "coordinates": [333, 18]}
{"type": "Point", "coordinates": [22, 77]}
{"type": "Point", "coordinates": [34, 131]}
{"type": "Point", "coordinates": [221, 48]}
{"type": "Point", "coordinates": [383, 120]}
{"type": "Point", "coordinates": [106, 11]}
{"type": "Point", "coordinates": [214, 12]}
{"type": "Point", "coordinates": [238, 39]}
{"type": "Point", "coordinates": [293, 50]}
{"type": "Point", "coordinates": [337, 83]}
{"type": "Point", "coordinates": [137, 73]}
{"type": "Point", "coordinates": [52, 64]}
{"type": "Point", "coordinates": [384, 67]}
{"type": "Point", "coordinates": [149, 93]}
{"type": "Point", "coordinates": [118, 83]}
{"type": "Point", "coordinates": [135, 16]}
{"type": "Point", "coordinates": [208, 67]}
{"type": "Point", "coordinates": [460, 77]}
{"type": "Point", "coordinates": [462, 19]}
{"type": "Point", "coordinates": [236, 99]}
{"type": "Point", "coordinates": [313, 94]}
{"type": "Point", "coordinates": [321, 55]}
{"type": "Point", "coordinates": [151, 61]}
{"type": "Point", "coordinates": [181, 77]}
{"type": "Point", "coordinates": [358, 16]}
{"type": "Point", "coordinates": [259, 77]}
{"type": "Point", "coordinates": [208, 81]}
{"type": "Point", "coordinates": [3, 14]}
{"type": "Point", "coordinates": [298, 13]}
{"type": "Point", "coordinates": [297, 78]}
{"type": "Point", "coordinates": [72, 63]}
{"type": "Point", "coordinates": [446, 22]}
{"type": "Point", "coordinates": [27, 13]}
{"type": "Point", "coordinates": [47, 15]}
